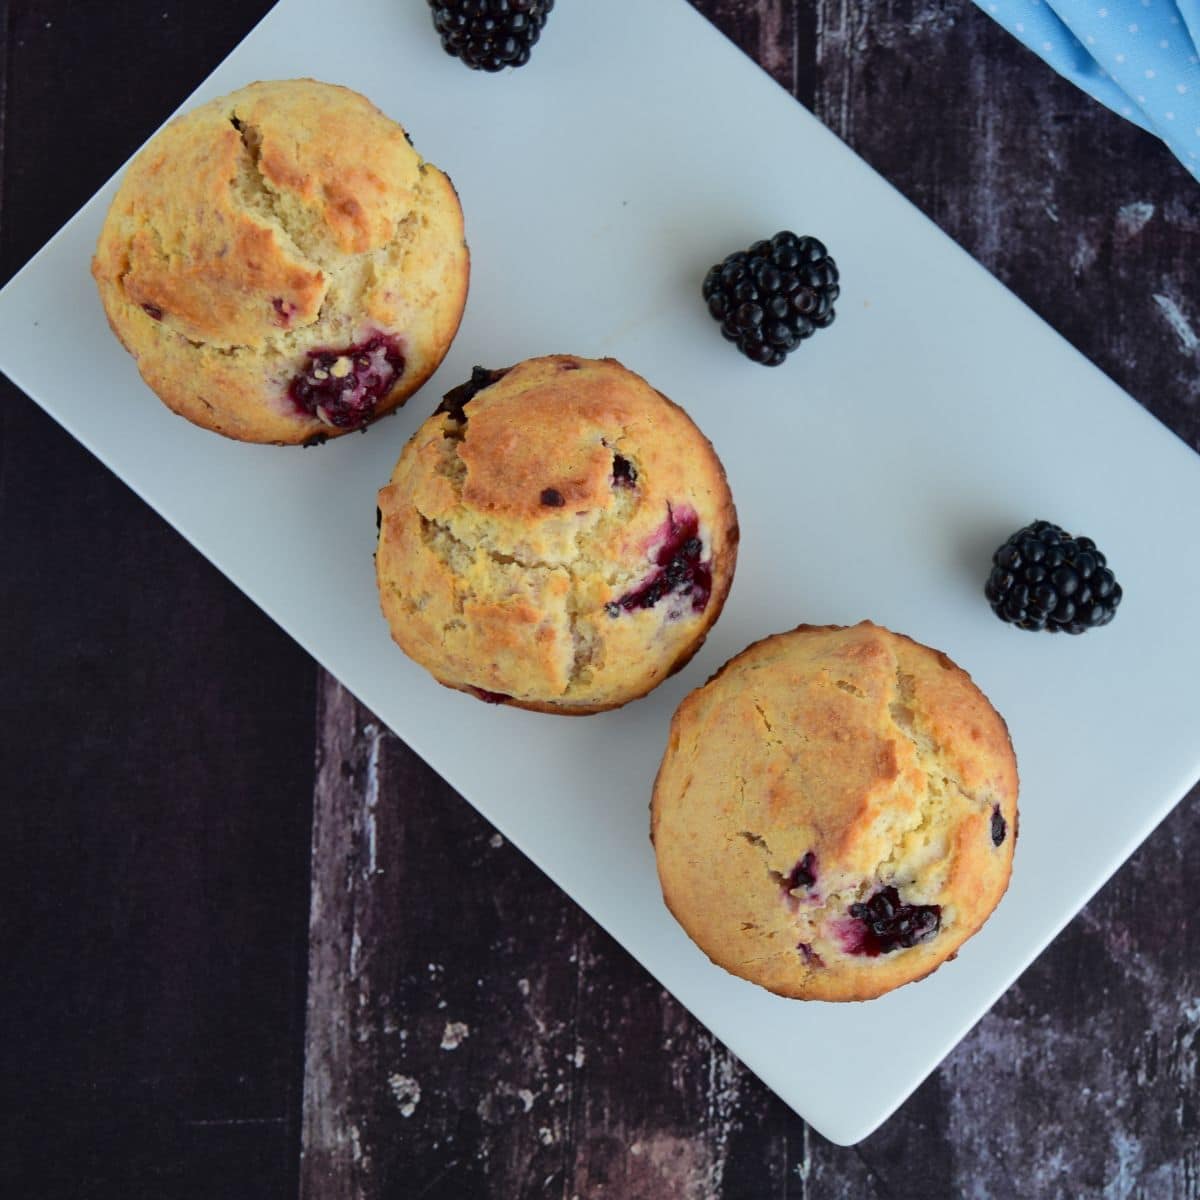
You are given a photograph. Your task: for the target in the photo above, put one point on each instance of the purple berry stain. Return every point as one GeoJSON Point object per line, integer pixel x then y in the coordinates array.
{"type": "Point", "coordinates": [552, 498]}
{"type": "Point", "coordinates": [153, 311]}
{"type": "Point", "coordinates": [999, 827]}
{"type": "Point", "coordinates": [680, 571]}
{"type": "Point", "coordinates": [283, 310]}
{"type": "Point", "coordinates": [885, 923]}
{"type": "Point", "coordinates": [811, 957]}
{"type": "Point", "coordinates": [803, 874]}
{"type": "Point", "coordinates": [342, 387]}
{"type": "Point", "coordinates": [490, 697]}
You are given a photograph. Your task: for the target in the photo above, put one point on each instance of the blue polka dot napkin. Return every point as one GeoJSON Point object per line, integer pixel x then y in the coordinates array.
{"type": "Point", "coordinates": [1139, 57]}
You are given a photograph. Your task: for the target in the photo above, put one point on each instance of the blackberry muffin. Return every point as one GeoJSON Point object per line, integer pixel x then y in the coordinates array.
{"type": "Point", "coordinates": [835, 813]}
{"type": "Point", "coordinates": [283, 264]}
{"type": "Point", "coordinates": [557, 536]}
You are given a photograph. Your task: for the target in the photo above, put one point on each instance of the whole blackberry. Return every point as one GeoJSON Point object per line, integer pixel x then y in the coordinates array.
{"type": "Point", "coordinates": [1043, 578]}
{"type": "Point", "coordinates": [489, 35]}
{"type": "Point", "coordinates": [774, 295]}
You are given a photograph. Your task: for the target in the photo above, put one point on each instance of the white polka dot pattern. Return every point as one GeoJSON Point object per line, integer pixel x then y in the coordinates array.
{"type": "Point", "coordinates": [1123, 51]}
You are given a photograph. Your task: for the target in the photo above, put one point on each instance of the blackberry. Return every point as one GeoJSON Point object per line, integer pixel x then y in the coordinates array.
{"type": "Point", "coordinates": [489, 35]}
{"type": "Point", "coordinates": [1043, 578]}
{"type": "Point", "coordinates": [774, 295]}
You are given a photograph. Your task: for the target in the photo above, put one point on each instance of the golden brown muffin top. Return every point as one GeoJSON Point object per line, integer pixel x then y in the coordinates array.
{"type": "Point", "coordinates": [826, 769]}
{"type": "Point", "coordinates": [527, 540]}
{"type": "Point", "coordinates": [317, 173]}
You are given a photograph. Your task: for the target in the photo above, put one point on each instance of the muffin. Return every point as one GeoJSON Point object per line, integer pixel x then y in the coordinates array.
{"type": "Point", "coordinates": [282, 263]}
{"type": "Point", "coordinates": [835, 812]}
{"type": "Point", "coordinates": [557, 536]}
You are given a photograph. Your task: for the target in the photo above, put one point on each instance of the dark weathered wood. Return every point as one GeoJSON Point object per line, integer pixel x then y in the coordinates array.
{"type": "Point", "coordinates": [1082, 1079]}
{"type": "Point", "coordinates": [419, 1018]}
{"type": "Point", "coordinates": [470, 1031]}
{"type": "Point", "coordinates": [155, 732]}
{"type": "Point", "coordinates": [490, 1041]}
{"type": "Point", "coordinates": [1090, 220]}
{"type": "Point", "coordinates": [156, 807]}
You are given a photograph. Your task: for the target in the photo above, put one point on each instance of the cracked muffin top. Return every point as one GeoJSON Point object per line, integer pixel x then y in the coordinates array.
{"type": "Point", "coordinates": [558, 536]}
{"type": "Point", "coordinates": [282, 264]}
{"type": "Point", "coordinates": [835, 813]}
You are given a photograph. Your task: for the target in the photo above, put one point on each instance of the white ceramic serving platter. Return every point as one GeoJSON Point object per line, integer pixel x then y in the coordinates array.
{"type": "Point", "coordinates": [874, 473]}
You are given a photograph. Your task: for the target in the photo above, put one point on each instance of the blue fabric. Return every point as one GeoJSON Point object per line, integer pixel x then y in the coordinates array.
{"type": "Point", "coordinates": [1141, 58]}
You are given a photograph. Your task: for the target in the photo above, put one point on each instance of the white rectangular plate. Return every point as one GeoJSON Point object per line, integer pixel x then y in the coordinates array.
{"type": "Point", "coordinates": [873, 473]}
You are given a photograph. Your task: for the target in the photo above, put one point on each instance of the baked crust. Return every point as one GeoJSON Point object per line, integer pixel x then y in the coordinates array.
{"type": "Point", "coordinates": [287, 218]}
{"type": "Point", "coordinates": [875, 754]}
{"type": "Point", "coordinates": [508, 540]}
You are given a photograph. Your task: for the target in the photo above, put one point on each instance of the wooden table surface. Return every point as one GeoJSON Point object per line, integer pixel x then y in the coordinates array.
{"type": "Point", "coordinates": [207, 993]}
